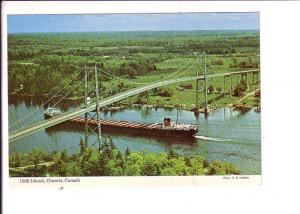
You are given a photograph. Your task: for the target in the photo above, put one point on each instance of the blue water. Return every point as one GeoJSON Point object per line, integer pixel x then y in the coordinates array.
{"type": "Point", "coordinates": [225, 135]}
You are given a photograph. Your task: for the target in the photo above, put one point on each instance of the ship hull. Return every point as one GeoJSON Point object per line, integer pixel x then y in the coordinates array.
{"type": "Point", "coordinates": [154, 131]}
{"type": "Point", "coordinates": [139, 128]}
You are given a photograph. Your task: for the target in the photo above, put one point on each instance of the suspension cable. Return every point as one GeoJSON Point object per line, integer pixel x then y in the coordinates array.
{"type": "Point", "coordinates": [184, 71]}
{"type": "Point", "coordinates": [130, 81]}
{"type": "Point", "coordinates": [43, 104]}
{"type": "Point", "coordinates": [59, 100]}
{"type": "Point", "coordinates": [178, 70]}
{"type": "Point", "coordinates": [143, 83]}
{"type": "Point", "coordinates": [112, 76]}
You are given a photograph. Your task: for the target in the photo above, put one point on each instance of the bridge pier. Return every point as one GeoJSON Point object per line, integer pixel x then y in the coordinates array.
{"type": "Point", "coordinates": [197, 93]}
{"type": "Point", "coordinates": [257, 80]}
{"type": "Point", "coordinates": [201, 88]}
{"type": "Point", "coordinates": [197, 84]}
{"type": "Point", "coordinates": [244, 77]}
{"type": "Point", "coordinates": [200, 85]}
{"type": "Point", "coordinates": [230, 84]}
{"type": "Point", "coordinates": [224, 85]}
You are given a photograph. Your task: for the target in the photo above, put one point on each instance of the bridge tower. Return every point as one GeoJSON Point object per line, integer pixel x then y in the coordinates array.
{"type": "Point", "coordinates": [98, 109]}
{"type": "Point", "coordinates": [87, 115]}
{"type": "Point", "coordinates": [86, 125]}
{"type": "Point", "coordinates": [201, 86]}
{"type": "Point", "coordinates": [197, 83]}
{"type": "Point", "coordinates": [205, 84]}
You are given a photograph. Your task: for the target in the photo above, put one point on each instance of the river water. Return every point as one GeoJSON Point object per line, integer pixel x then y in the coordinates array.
{"type": "Point", "coordinates": [225, 135]}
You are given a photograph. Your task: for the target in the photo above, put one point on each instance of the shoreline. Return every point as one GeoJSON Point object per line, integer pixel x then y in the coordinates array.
{"type": "Point", "coordinates": [120, 106]}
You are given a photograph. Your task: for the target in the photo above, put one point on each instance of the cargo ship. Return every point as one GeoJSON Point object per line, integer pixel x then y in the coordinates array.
{"type": "Point", "coordinates": [167, 128]}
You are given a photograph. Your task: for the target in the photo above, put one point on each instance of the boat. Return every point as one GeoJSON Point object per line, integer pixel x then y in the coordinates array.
{"type": "Point", "coordinates": [167, 128]}
{"type": "Point", "coordinates": [51, 112]}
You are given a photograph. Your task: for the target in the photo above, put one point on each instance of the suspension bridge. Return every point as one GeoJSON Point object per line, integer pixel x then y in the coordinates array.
{"type": "Point", "coordinates": [176, 77]}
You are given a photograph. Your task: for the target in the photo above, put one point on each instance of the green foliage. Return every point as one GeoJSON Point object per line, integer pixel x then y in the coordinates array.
{"type": "Point", "coordinates": [72, 168]}
{"type": "Point", "coordinates": [211, 88]}
{"type": "Point", "coordinates": [143, 97]}
{"type": "Point", "coordinates": [111, 162]}
{"type": "Point", "coordinates": [217, 62]}
{"type": "Point", "coordinates": [15, 160]}
{"type": "Point", "coordinates": [82, 146]}
{"type": "Point", "coordinates": [244, 64]}
{"type": "Point", "coordinates": [163, 92]}
{"type": "Point", "coordinates": [51, 60]}
{"type": "Point", "coordinates": [205, 163]}
{"type": "Point", "coordinates": [36, 156]}
{"type": "Point", "coordinates": [240, 88]}
{"type": "Point", "coordinates": [127, 152]}
{"type": "Point", "coordinates": [171, 154]}
{"type": "Point", "coordinates": [234, 63]}
{"type": "Point", "coordinates": [219, 89]}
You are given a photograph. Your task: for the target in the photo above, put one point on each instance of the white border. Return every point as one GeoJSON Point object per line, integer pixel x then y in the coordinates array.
{"type": "Point", "coordinates": [77, 7]}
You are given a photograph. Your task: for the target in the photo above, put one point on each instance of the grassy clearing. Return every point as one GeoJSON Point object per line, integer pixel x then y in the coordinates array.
{"type": "Point", "coordinates": [186, 98]}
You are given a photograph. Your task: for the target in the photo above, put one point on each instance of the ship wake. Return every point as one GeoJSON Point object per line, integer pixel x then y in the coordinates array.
{"type": "Point", "coordinates": [210, 138]}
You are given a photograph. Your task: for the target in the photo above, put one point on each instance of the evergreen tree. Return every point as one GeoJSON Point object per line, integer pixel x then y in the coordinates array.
{"type": "Point", "coordinates": [171, 154]}
{"type": "Point", "coordinates": [187, 161]}
{"type": "Point", "coordinates": [127, 152]}
{"type": "Point", "coordinates": [36, 156]}
{"type": "Point", "coordinates": [82, 145]}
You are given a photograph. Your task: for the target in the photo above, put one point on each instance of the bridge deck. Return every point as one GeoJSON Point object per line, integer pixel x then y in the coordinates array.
{"type": "Point", "coordinates": [110, 100]}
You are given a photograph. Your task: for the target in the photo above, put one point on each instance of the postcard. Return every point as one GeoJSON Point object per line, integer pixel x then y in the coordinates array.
{"type": "Point", "coordinates": [137, 96]}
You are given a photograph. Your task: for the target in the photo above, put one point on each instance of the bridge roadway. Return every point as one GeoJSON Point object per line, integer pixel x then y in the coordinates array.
{"type": "Point", "coordinates": [109, 100]}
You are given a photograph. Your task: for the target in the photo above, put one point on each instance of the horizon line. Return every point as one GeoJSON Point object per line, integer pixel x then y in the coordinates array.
{"type": "Point", "coordinates": [122, 31]}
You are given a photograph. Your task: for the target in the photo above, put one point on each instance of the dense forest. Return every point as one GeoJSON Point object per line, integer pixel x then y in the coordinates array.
{"type": "Point", "coordinates": [43, 63]}
{"type": "Point", "coordinates": [112, 162]}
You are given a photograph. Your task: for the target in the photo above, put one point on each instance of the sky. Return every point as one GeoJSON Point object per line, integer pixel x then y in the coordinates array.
{"type": "Point", "coordinates": [132, 22]}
